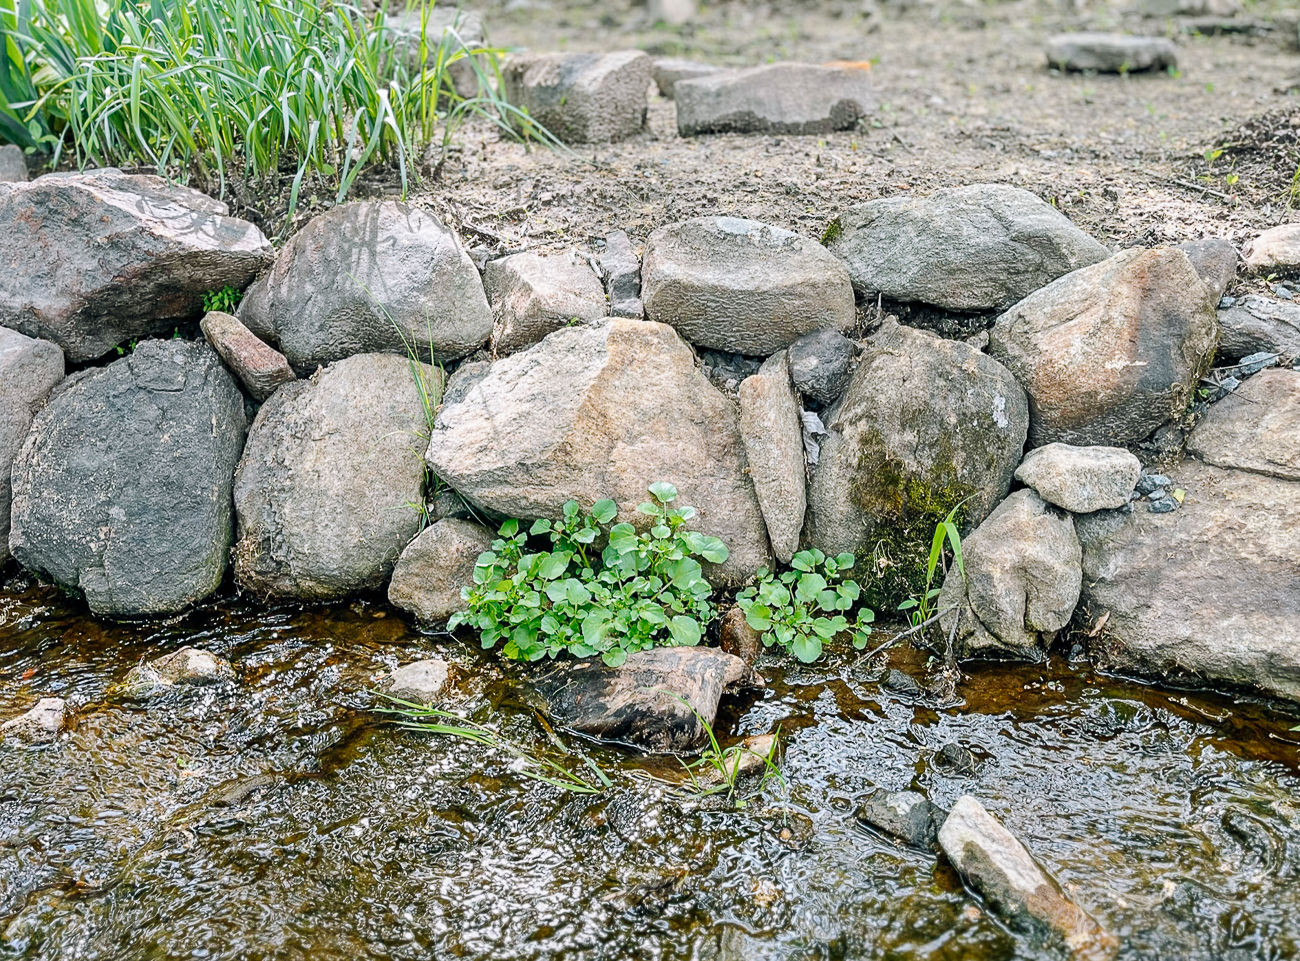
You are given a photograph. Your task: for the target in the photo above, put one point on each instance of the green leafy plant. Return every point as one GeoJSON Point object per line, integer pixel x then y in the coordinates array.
{"type": "Point", "coordinates": [720, 772]}
{"type": "Point", "coordinates": [226, 300]}
{"type": "Point", "coordinates": [807, 605]}
{"type": "Point", "coordinates": [598, 589]}
{"type": "Point", "coordinates": [920, 608]}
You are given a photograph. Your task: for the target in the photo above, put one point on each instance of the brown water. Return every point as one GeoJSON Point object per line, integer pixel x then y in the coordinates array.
{"type": "Point", "coordinates": [279, 817]}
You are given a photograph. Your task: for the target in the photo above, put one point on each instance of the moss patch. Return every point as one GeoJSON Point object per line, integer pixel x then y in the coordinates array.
{"type": "Point", "coordinates": [907, 508]}
{"type": "Point", "coordinates": [833, 233]}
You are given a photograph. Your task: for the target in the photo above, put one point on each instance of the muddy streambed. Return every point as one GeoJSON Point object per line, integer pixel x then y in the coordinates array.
{"type": "Point", "coordinates": [279, 817]}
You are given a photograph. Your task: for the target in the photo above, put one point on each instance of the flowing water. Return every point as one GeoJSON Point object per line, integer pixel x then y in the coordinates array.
{"type": "Point", "coordinates": [281, 817]}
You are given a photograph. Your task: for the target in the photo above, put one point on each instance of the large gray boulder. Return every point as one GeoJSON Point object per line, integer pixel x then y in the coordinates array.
{"type": "Point", "coordinates": [123, 488]}
{"type": "Point", "coordinates": [532, 295]}
{"type": "Point", "coordinates": [662, 700]}
{"type": "Point", "coordinates": [1254, 324]}
{"type": "Point", "coordinates": [435, 566]}
{"type": "Point", "coordinates": [29, 369]}
{"type": "Point", "coordinates": [1110, 52]}
{"type": "Point", "coordinates": [1255, 428]}
{"type": "Point", "coordinates": [1110, 352]}
{"type": "Point", "coordinates": [1081, 479]}
{"type": "Point", "coordinates": [95, 259]}
{"type": "Point", "coordinates": [980, 247]}
{"type": "Point", "coordinates": [603, 411]}
{"type": "Point", "coordinates": [742, 286]}
{"type": "Point", "coordinates": [1022, 581]}
{"type": "Point", "coordinates": [581, 97]}
{"type": "Point", "coordinates": [1209, 592]}
{"type": "Point", "coordinates": [773, 436]}
{"type": "Point", "coordinates": [994, 863]}
{"type": "Point", "coordinates": [369, 277]}
{"type": "Point", "coordinates": [328, 488]}
{"type": "Point", "coordinates": [788, 98]}
{"type": "Point", "coordinates": [925, 425]}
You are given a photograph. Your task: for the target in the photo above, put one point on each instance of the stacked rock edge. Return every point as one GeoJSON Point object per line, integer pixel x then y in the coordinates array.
{"type": "Point", "coordinates": [974, 248]}
{"type": "Point", "coordinates": [335, 291]}
{"type": "Point", "coordinates": [329, 474]}
{"type": "Point", "coordinates": [743, 286]}
{"type": "Point", "coordinates": [122, 490]}
{"type": "Point", "coordinates": [603, 411]}
{"type": "Point", "coordinates": [29, 370]}
{"type": "Point", "coordinates": [96, 259]}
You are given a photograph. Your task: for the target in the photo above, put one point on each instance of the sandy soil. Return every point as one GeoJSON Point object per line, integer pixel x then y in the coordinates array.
{"type": "Point", "coordinates": [964, 96]}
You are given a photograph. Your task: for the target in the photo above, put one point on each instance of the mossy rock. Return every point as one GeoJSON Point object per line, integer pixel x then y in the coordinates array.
{"type": "Point", "coordinates": [927, 427]}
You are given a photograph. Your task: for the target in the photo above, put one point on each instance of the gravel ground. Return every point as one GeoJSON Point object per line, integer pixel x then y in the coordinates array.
{"type": "Point", "coordinates": [964, 96]}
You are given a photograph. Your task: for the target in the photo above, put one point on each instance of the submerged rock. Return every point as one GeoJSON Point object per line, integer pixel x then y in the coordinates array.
{"type": "Point", "coordinates": [603, 411]}
{"type": "Point", "coordinates": [791, 98]}
{"type": "Point", "coordinates": [433, 568]}
{"type": "Point", "coordinates": [662, 700]}
{"type": "Point", "coordinates": [29, 370]}
{"type": "Point", "coordinates": [743, 286]}
{"type": "Point", "coordinates": [44, 722]}
{"type": "Point", "coordinates": [123, 488]}
{"type": "Point", "coordinates": [1109, 353]}
{"type": "Point", "coordinates": [366, 277]}
{"type": "Point", "coordinates": [1209, 591]}
{"type": "Point", "coordinates": [773, 436]}
{"type": "Point", "coordinates": [1081, 479]}
{"type": "Point", "coordinates": [331, 479]}
{"type": "Point", "coordinates": [93, 260]}
{"type": "Point", "coordinates": [581, 97]}
{"type": "Point", "coordinates": [189, 666]}
{"type": "Point", "coordinates": [1110, 52]}
{"type": "Point", "coordinates": [979, 247]}
{"type": "Point", "coordinates": [925, 425]}
{"type": "Point", "coordinates": [996, 865]}
{"type": "Point", "coordinates": [419, 682]}
{"type": "Point", "coordinates": [1021, 584]}
{"type": "Point", "coordinates": [904, 815]}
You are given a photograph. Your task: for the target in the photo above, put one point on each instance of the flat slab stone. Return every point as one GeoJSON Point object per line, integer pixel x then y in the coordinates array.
{"type": "Point", "coordinates": [582, 97]}
{"type": "Point", "coordinates": [742, 286]}
{"type": "Point", "coordinates": [789, 98]}
{"type": "Point", "coordinates": [773, 436]}
{"type": "Point", "coordinates": [1081, 479]}
{"type": "Point", "coordinates": [1110, 52]}
{"type": "Point", "coordinates": [1255, 428]}
{"type": "Point", "coordinates": [1277, 248]}
{"type": "Point", "coordinates": [1254, 324]}
{"type": "Point", "coordinates": [620, 269]}
{"type": "Point", "coordinates": [668, 71]}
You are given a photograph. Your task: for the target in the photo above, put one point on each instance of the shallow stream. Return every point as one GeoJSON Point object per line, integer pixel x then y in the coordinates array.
{"type": "Point", "coordinates": [281, 818]}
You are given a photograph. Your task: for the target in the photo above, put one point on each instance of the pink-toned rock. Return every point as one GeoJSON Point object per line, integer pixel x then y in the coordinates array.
{"type": "Point", "coordinates": [1277, 248]}
{"type": "Point", "coordinates": [260, 367]}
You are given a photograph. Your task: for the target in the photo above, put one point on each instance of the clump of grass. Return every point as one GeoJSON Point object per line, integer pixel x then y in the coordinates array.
{"type": "Point", "coordinates": [210, 89]}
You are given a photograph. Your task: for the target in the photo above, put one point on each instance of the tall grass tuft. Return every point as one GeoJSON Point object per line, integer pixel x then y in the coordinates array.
{"type": "Point", "coordinates": [208, 90]}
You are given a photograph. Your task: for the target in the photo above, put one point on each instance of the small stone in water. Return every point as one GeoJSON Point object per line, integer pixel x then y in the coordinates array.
{"type": "Point", "coordinates": [897, 682]}
{"type": "Point", "coordinates": [953, 759]}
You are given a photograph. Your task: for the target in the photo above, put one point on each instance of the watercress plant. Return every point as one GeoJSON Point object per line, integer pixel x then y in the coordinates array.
{"type": "Point", "coordinates": [598, 589]}
{"type": "Point", "coordinates": [807, 605]}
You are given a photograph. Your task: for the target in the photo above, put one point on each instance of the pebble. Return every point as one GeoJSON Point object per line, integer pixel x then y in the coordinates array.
{"type": "Point", "coordinates": [955, 760]}
{"type": "Point", "coordinates": [1255, 363]}
{"type": "Point", "coordinates": [1283, 292]}
{"type": "Point", "coordinates": [1163, 505]}
{"type": "Point", "coordinates": [1148, 483]}
{"type": "Point", "coordinates": [897, 682]}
